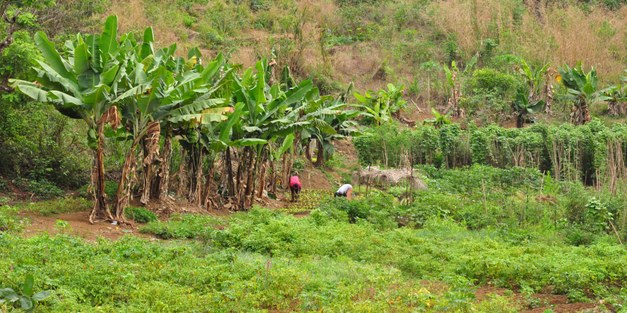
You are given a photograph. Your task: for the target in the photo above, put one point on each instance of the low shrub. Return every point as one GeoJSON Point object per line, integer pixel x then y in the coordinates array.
{"type": "Point", "coordinates": [41, 189]}
{"type": "Point", "coordinates": [140, 215]}
{"type": "Point", "coordinates": [181, 226]}
{"type": "Point", "coordinates": [9, 221]}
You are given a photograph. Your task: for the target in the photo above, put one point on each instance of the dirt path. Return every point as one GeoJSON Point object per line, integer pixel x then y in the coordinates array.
{"type": "Point", "coordinates": [78, 225]}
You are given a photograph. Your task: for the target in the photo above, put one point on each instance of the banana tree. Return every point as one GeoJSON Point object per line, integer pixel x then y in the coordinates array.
{"type": "Point", "coordinates": [523, 106]}
{"type": "Point", "coordinates": [83, 84]}
{"type": "Point", "coordinates": [438, 119]}
{"type": "Point", "coordinates": [167, 90]}
{"type": "Point", "coordinates": [617, 98]}
{"type": "Point", "coordinates": [582, 87]}
{"type": "Point", "coordinates": [538, 83]}
{"type": "Point", "coordinates": [455, 89]}
{"type": "Point", "coordinates": [263, 116]}
{"type": "Point", "coordinates": [323, 120]}
{"type": "Point", "coordinates": [379, 107]}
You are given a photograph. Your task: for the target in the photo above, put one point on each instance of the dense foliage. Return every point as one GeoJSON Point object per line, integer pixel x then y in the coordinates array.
{"type": "Point", "coordinates": [512, 228]}
{"type": "Point", "coordinates": [595, 154]}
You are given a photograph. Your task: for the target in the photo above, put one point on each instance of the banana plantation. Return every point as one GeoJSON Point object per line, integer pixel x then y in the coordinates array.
{"type": "Point", "coordinates": [239, 132]}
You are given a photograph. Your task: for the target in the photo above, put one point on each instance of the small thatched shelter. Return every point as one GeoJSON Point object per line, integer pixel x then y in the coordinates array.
{"type": "Point", "coordinates": [374, 176]}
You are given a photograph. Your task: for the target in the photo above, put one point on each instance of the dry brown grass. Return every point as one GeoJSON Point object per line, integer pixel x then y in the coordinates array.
{"type": "Point", "coordinates": [132, 17]}
{"type": "Point", "coordinates": [563, 35]}
{"type": "Point", "coordinates": [358, 63]}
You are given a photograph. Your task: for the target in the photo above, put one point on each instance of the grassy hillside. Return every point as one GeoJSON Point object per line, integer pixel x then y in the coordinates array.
{"type": "Point", "coordinates": [375, 42]}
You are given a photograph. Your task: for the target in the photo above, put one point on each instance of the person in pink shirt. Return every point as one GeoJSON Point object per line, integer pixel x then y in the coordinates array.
{"type": "Point", "coordinates": [295, 187]}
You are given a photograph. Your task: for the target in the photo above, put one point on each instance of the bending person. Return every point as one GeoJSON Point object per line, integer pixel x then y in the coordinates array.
{"type": "Point", "coordinates": [345, 190]}
{"type": "Point", "coordinates": [295, 187]}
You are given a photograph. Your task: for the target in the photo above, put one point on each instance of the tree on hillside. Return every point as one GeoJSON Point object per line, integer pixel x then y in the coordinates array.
{"type": "Point", "coordinates": [582, 88]}
{"type": "Point", "coordinates": [454, 86]}
{"type": "Point", "coordinates": [538, 83]}
{"type": "Point", "coordinates": [617, 97]}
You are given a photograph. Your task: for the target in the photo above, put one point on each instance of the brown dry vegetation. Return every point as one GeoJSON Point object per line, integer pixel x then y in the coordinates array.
{"type": "Point", "coordinates": [554, 34]}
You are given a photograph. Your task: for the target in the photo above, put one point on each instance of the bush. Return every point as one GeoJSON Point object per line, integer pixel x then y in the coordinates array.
{"type": "Point", "coordinates": [487, 80]}
{"type": "Point", "coordinates": [3, 185]}
{"type": "Point", "coordinates": [140, 215]}
{"type": "Point", "coordinates": [42, 189]}
{"type": "Point", "coordinates": [9, 222]}
{"type": "Point", "coordinates": [181, 226]}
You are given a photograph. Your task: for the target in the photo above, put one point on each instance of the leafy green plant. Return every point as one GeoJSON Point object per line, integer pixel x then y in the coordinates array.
{"type": "Point", "coordinates": [182, 226]}
{"type": "Point", "coordinates": [438, 119]}
{"type": "Point", "coordinates": [523, 107]}
{"type": "Point", "coordinates": [25, 299]}
{"type": "Point", "coordinates": [40, 188]}
{"type": "Point", "coordinates": [140, 215]}
{"type": "Point", "coordinates": [381, 106]}
{"type": "Point", "coordinates": [9, 221]}
{"type": "Point", "coordinates": [582, 87]}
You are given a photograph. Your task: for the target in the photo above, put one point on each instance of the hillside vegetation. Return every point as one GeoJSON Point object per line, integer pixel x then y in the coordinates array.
{"type": "Point", "coordinates": [377, 41]}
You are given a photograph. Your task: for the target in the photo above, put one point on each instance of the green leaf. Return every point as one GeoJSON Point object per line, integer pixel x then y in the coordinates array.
{"type": "Point", "coordinates": [247, 142]}
{"type": "Point", "coordinates": [41, 295]}
{"type": "Point", "coordinates": [9, 294]}
{"type": "Point", "coordinates": [259, 91]}
{"type": "Point", "coordinates": [213, 68]}
{"type": "Point", "coordinates": [109, 75]}
{"type": "Point", "coordinates": [538, 106]}
{"type": "Point", "coordinates": [360, 98]}
{"type": "Point", "coordinates": [51, 56]}
{"type": "Point", "coordinates": [81, 59]}
{"type": "Point", "coordinates": [147, 48]}
{"type": "Point", "coordinates": [30, 89]}
{"type": "Point", "coordinates": [228, 126]}
{"type": "Point", "coordinates": [251, 129]}
{"type": "Point", "coordinates": [287, 144]}
{"type": "Point", "coordinates": [108, 39]}
{"type": "Point", "coordinates": [26, 304]}
{"type": "Point", "coordinates": [27, 287]}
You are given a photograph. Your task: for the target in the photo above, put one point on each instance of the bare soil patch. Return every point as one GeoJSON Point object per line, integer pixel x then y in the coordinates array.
{"type": "Point", "coordinates": [78, 226]}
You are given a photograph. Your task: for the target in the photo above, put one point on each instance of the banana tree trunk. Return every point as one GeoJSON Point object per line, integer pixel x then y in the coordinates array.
{"type": "Point", "coordinates": [252, 179]}
{"type": "Point", "coordinates": [123, 194]}
{"type": "Point", "coordinates": [308, 151]}
{"type": "Point", "coordinates": [181, 175]}
{"type": "Point", "coordinates": [262, 179]}
{"type": "Point", "coordinates": [195, 164]}
{"type": "Point", "coordinates": [164, 169]}
{"type": "Point", "coordinates": [262, 174]}
{"type": "Point", "coordinates": [100, 210]}
{"type": "Point", "coordinates": [287, 169]}
{"type": "Point", "coordinates": [319, 154]}
{"type": "Point", "coordinates": [209, 199]}
{"type": "Point", "coordinates": [520, 120]}
{"type": "Point", "coordinates": [151, 154]}
{"type": "Point", "coordinates": [230, 185]}
{"type": "Point", "coordinates": [580, 114]}
{"type": "Point", "coordinates": [273, 176]}
{"type": "Point", "coordinates": [249, 180]}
